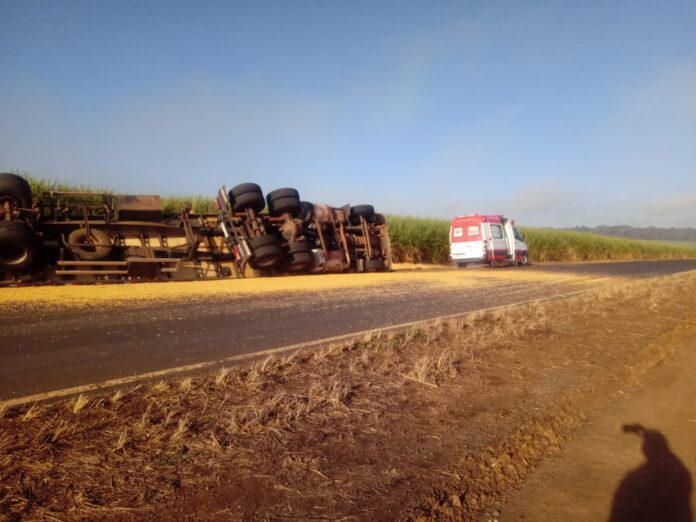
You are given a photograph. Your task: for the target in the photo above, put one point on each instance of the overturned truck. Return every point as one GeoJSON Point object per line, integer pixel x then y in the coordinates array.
{"type": "Point", "coordinates": [91, 236]}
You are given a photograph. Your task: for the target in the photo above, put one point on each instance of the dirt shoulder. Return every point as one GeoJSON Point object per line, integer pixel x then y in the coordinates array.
{"type": "Point", "coordinates": [437, 422]}
{"type": "Point", "coordinates": [634, 460]}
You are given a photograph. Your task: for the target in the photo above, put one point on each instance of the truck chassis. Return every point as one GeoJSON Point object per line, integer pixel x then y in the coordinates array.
{"type": "Point", "coordinates": [88, 237]}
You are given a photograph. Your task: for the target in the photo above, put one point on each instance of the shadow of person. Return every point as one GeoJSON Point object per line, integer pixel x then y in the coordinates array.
{"type": "Point", "coordinates": [658, 490]}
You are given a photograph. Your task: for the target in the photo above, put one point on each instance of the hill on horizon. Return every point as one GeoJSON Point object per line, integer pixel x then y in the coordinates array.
{"type": "Point", "coordinates": [650, 233]}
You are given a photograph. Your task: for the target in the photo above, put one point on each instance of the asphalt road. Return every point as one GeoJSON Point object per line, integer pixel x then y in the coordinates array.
{"type": "Point", "coordinates": [54, 349]}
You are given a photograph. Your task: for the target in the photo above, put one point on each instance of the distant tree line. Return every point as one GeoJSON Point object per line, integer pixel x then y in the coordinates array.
{"type": "Point", "coordinates": [629, 232]}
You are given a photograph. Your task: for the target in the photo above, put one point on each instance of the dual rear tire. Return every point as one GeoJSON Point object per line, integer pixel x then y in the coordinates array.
{"type": "Point", "coordinates": [15, 189]}
{"type": "Point", "coordinates": [19, 247]}
{"type": "Point", "coordinates": [299, 257]}
{"type": "Point", "coordinates": [250, 196]}
{"type": "Point", "coordinates": [284, 201]}
{"type": "Point", "coordinates": [365, 211]}
{"type": "Point", "coordinates": [267, 252]}
{"type": "Point", "coordinates": [266, 249]}
{"type": "Point", "coordinates": [374, 265]}
{"type": "Point", "coordinates": [247, 196]}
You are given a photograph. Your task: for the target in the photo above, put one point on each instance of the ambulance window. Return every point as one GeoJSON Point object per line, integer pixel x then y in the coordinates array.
{"type": "Point", "coordinates": [473, 230]}
{"type": "Point", "coordinates": [497, 231]}
{"type": "Point", "coordinates": [518, 235]}
{"type": "Point", "coordinates": [458, 232]}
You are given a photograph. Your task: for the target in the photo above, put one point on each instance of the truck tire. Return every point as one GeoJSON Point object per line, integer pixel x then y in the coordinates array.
{"type": "Point", "coordinates": [300, 261]}
{"type": "Point", "coordinates": [86, 248]}
{"type": "Point", "coordinates": [267, 257]}
{"type": "Point", "coordinates": [250, 200]}
{"type": "Point", "coordinates": [19, 246]}
{"type": "Point", "coordinates": [247, 196]}
{"type": "Point", "coordinates": [267, 251]}
{"type": "Point", "coordinates": [284, 201]}
{"type": "Point", "coordinates": [244, 188]}
{"type": "Point", "coordinates": [16, 189]}
{"type": "Point", "coordinates": [285, 206]}
{"type": "Point", "coordinates": [306, 211]}
{"type": "Point", "coordinates": [374, 265]}
{"type": "Point", "coordinates": [282, 193]}
{"type": "Point", "coordinates": [299, 246]}
{"type": "Point", "coordinates": [299, 256]}
{"type": "Point", "coordinates": [264, 240]}
{"type": "Point", "coordinates": [366, 211]}
{"type": "Point", "coordinates": [524, 260]}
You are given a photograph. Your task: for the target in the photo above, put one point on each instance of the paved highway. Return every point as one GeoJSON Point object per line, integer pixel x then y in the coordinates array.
{"type": "Point", "coordinates": [43, 349]}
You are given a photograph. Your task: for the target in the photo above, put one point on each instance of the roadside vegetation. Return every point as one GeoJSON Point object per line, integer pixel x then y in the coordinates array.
{"type": "Point", "coordinates": [426, 240]}
{"type": "Point", "coordinates": [668, 235]}
{"type": "Point", "coordinates": [561, 245]}
{"type": "Point", "coordinates": [423, 240]}
{"type": "Point", "coordinates": [172, 204]}
{"type": "Point", "coordinates": [436, 421]}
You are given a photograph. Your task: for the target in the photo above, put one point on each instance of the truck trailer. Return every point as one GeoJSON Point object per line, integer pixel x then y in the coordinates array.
{"type": "Point", "coordinates": [62, 236]}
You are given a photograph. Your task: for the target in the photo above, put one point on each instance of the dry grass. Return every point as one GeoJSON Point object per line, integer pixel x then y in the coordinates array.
{"type": "Point", "coordinates": [78, 404]}
{"type": "Point", "coordinates": [133, 449]}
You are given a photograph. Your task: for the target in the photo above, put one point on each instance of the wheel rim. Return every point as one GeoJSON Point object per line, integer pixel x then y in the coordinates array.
{"type": "Point", "coordinates": [11, 255]}
{"type": "Point", "coordinates": [87, 244]}
{"type": "Point", "coordinates": [15, 202]}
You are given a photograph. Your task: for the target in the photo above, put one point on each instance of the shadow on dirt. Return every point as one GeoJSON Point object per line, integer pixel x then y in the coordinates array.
{"type": "Point", "coordinates": [659, 489]}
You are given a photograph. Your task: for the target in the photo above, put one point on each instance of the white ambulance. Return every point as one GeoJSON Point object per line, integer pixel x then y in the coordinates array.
{"type": "Point", "coordinates": [487, 239]}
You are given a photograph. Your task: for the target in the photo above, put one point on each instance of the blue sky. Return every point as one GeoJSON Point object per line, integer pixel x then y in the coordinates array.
{"type": "Point", "coordinates": [557, 113]}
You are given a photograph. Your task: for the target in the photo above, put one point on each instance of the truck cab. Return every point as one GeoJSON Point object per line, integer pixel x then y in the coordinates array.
{"type": "Point", "coordinates": [487, 239]}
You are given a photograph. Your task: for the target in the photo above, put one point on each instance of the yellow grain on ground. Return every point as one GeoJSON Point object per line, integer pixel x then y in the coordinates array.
{"type": "Point", "coordinates": [420, 266]}
{"type": "Point", "coordinates": [90, 295]}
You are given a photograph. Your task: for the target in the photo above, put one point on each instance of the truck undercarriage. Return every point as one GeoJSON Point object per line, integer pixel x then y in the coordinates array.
{"type": "Point", "coordinates": [62, 236]}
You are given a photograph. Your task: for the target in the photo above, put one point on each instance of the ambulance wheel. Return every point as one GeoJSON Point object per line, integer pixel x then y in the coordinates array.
{"type": "Point", "coordinates": [493, 263]}
{"type": "Point", "coordinates": [524, 260]}
{"type": "Point", "coordinates": [462, 265]}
